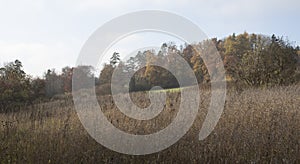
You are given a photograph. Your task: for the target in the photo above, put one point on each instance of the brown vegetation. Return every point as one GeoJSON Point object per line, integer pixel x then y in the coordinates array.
{"type": "Point", "coordinates": [257, 126]}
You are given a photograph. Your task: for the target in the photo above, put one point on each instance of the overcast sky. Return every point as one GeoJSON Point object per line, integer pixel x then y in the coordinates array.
{"type": "Point", "coordinates": [49, 34]}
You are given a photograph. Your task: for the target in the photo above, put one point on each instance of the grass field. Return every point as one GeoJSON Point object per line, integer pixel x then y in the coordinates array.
{"type": "Point", "coordinates": [257, 126]}
{"type": "Point", "coordinates": [169, 90]}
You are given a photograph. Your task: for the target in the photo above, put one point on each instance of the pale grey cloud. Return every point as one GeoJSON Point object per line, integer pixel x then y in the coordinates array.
{"type": "Point", "coordinates": [35, 31]}
{"type": "Point", "coordinates": [37, 57]}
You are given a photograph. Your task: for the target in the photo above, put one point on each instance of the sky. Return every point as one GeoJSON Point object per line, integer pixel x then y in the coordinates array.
{"type": "Point", "coordinates": [49, 34]}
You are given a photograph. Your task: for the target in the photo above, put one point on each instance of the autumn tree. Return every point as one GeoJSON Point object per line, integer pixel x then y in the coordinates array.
{"type": "Point", "coordinates": [38, 86]}
{"type": "Point", "coordinates": [114, 59]}
{"type": "Point", "coordinates": [280, 61]}
{"type": "Point", "coordinates": [84, 77]}
{"type": "Point", "coordinates": [15, 85]}
{"type": "Point", "coordinates": [53, 83]}
{"type": "Point", "coordinates": [259, 60]}
{"type": "Point", "coordinates": [66, 76]}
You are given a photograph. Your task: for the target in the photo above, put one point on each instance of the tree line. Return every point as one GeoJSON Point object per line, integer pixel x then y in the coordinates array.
{"type": "Point", "coordinates": [249, 59]}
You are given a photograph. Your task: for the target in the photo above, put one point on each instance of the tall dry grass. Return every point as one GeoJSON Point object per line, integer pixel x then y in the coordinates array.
{"type": "Point", "coordinates": [257, 126]}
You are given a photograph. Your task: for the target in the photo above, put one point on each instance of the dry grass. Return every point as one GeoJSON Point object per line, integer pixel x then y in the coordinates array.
{"type": "Point", "coordinates": [257, 126]}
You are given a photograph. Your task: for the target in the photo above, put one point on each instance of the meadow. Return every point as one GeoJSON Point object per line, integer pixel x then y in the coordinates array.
{"type": "Point", "coordinates": [257, 126]}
